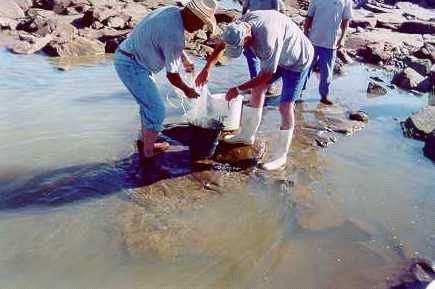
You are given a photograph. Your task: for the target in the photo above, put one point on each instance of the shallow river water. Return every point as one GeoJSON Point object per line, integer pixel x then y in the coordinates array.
{"type": "Point", "coordinates": [70, 216]}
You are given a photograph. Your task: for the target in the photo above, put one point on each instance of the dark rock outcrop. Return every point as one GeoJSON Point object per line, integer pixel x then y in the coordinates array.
{"type": "Point", "coordinates": [422, 66]}
{"type": "Point", "coordinates": [359, 116]}
{"type": "Point", "coordinates": [417, 27]}
{"type": "Point", "coordinates": [427, 51]}
{"type": "Point", "coordinates": [376, 89]}
{"type": "Point", "coordinates": [411, 80]}
{"type": "Point", "coordinates": [420, 124]}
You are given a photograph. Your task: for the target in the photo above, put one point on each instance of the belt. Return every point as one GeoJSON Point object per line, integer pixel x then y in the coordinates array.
{"type": "Point", "coordinates": [128, 54]}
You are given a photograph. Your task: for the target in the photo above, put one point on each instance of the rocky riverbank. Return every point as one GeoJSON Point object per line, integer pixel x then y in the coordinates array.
{"type": "Point", "coordinates": [398, 37]}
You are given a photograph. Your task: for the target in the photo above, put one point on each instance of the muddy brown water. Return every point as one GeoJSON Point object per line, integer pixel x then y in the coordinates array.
{"type": "Point", "coordinates": [74, 212]}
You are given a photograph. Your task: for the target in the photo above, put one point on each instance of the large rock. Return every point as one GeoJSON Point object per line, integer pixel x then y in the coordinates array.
{"type": "Point", "coordinates": [429, 146]}
{"type": "Point", "coordinates": [419, 125]}
{"type": "Point", "coordinates": [79, 46]}
{"type": "Point", "coordinates": [427, 51]}
{"type": "Point", "coordinates": [98, 14]}
{"type": "Point", "coordinates": [376, 89]}
{"type": "Point", "coordinates": [8, 23]}
{"type": "Point", "coordinates": [410, 79]}
{"type": "Point", "coordinates": [422, 66]}
{"type": "Point", "coordinates": [31, 44]}
{"type": "Point", "coordinates": [364, 22]}
{"type": "Point", "coordinates": [240, 155]}
{"type": "Point", "coordinates": [11, 9]}
{"type": "Point", "coordinates": [417, 27]}
{"type": "Point", "coordinates": [377, 53]}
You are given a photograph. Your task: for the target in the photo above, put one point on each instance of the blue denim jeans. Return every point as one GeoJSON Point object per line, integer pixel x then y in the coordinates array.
{"type": "Point", "coordinates": [253, 62]}
{"type": "Point", "coordinates": [141, 84]}
{"type": "Point", "coordinates": [325, 58]}
{"type": "Point", "coordinates": [293, 83]}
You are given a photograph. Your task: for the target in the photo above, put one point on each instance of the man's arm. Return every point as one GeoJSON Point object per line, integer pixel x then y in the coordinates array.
{"type": "Point", "coordinates": [187, 63]}
{"type": "Point", "coordinates": [344, 25]}
{"type": "Point", "coordinates": [203, 76]}
{"type": "Point", "coordinates": [175, 80]}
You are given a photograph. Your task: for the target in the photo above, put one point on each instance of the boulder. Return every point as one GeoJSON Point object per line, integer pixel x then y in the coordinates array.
{"type": "Point", "coordinates": [376, 9]}
{"type": "Point", "coordinates": [377, 53]}
{"type": "Point", "coordinates": [376, 89]}
{"type": "Point", "coordinates": [31, 45]}
{"type": "Point", "coordinates": [429, 146]}
{"type": "Point", "coordinates": [240, 155]}
{"type": "Point", "coordinates": [98, 14]}
{"type": "Point", "coordinates": [79, 46]}
{"type": "Point", "coordinates": [8, 23]}
{"type": "Point", "coordinates": [116, 22]}
{"type": "Point", "coordinates": [422, 66]}
{"type": "Point", "coordinates": [409, 79]}
{"type": "Point", "coordinates": [11, 9]}
{"type": "Point", "coordinates": [427, 51]}
{"type": "Point", "coordinates": [359, 116]}
{"type": "Point", "coordinates": [417, 27]}
{"type": "Point", "coordinates": [71, 7]}
{"type": "Point", "coordinates": [363, 22]}
{"type": "Point", "coordinates": [420, 124]}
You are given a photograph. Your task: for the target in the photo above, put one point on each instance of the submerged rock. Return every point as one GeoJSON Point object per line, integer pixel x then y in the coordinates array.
{"type": "Point", "coordinates": [376, 89]}
{"type": "Point", "coordinates": [240, 155]}
{"type": "Point", "coordinates": [420, 124]}
{"type": "Point", "coordinates": [359, 116]}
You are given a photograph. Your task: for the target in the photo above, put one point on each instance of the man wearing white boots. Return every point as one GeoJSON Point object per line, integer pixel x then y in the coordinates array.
{"type": "Point", "coordinates": [284, 51]}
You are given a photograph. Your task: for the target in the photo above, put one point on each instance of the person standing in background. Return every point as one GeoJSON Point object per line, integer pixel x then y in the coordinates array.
{"type": "Point", "coordinates": [253, 5]}
{"type": "Point", "coordinates": [324, 20]}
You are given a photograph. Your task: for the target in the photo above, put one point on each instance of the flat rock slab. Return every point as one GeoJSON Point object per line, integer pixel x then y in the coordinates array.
{"type": "Point", "coordinates": [236, 155]}
{"type": "Point", "coordinates": [420, 124]}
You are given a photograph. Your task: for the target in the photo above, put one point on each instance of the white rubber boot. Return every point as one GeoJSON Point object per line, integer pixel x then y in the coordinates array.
{"type": "Point", "coordinates": [278, 157]}
{"type": "Point", "coordinates": [251, 118]}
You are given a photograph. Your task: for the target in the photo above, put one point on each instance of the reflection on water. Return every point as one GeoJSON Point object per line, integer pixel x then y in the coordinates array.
{"type": "Point", "coordinates": [76, 210]}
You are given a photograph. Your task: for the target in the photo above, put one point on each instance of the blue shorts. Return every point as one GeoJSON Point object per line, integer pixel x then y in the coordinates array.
{"type": "Point", "coordinates": [293, 83]}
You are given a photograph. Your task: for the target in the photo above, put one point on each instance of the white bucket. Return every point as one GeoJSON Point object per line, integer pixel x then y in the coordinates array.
{"type": "Point", "coordinates": [229, 112]}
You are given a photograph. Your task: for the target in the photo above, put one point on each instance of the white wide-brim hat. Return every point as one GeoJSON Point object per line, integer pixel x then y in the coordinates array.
{"type": "Point", "coordinates": [204, 10]}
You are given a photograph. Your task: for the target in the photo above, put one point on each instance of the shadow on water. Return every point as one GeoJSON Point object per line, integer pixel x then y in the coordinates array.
{"type": "Point", "coordinates": [65, 185]}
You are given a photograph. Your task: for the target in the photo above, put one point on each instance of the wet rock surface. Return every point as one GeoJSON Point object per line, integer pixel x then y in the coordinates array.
{"type": "Point", "coordinates": [420, 124]}
{"type": "Point", "coordinates": [376, 89]}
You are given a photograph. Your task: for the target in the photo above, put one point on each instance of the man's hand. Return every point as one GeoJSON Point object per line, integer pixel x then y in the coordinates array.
{"type": "Point", "coordinates": [232, 93]}
{"type": "Point", "coordinates": [190, 92]}
{"type": "Point", "coordinates": [189, 67]}
{"type": "Point", "coordinates": [202, 77]}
